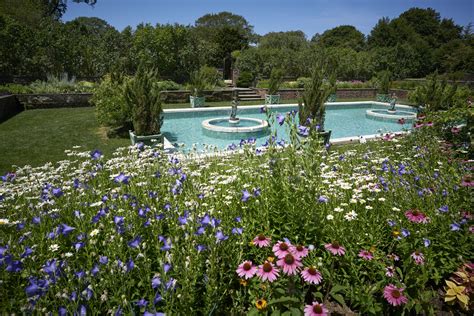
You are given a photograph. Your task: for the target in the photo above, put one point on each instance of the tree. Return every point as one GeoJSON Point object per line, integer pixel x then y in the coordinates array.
{"type": "Point", "coordinates": [223, 33]}
{"type": "Point", "coordinates": [342, 36]}
{"type": "Point", "coordinates": [293, 40]}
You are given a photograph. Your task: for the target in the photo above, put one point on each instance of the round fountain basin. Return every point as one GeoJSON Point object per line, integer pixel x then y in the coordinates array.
{"type": "Point", "coordinates": [387, 115]}
{"type": "Point", "coordinates": [244, 125]}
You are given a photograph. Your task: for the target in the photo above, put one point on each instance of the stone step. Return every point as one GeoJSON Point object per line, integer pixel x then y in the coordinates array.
{"type": "Point", "coordinates": [251, 99]}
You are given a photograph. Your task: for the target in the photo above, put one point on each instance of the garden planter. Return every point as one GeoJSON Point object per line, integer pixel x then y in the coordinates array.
{"type": "Point", "coordinates": [325, 135]}
{"type": "Point", "coordinates": [147, 139]}
{"type": "Point", "coordinates": [383, 97]}
{"type": "Point", "coordinates": [332, 97]}
{"type": "Point", "coordinates": [272, 99]}
{"type": "Point", "coordinates": [197, 102]}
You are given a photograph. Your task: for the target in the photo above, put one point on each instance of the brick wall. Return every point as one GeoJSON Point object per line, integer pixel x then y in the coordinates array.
{"type": "Point", "coordinates": [182, 96]}
{"type": "Point", "coordinates": [341, 93]}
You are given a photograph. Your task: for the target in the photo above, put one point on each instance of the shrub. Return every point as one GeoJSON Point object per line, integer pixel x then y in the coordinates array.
{"type": "Point", "coordinates": [143, 100]}
{"type": "Point", "coordinates": [382, 81]}
{"type": "Point", "coordinates": [315, 95]}
{"type": "Point", "coordinates": [276, 79]}
{"type": "Point", "coordinates": [245, 79]}
{"type": "Point", "coordinates": [109, 102]}
{"type": "Point", "coordinates": [168, 85]}
{"type": "Point", "coordinates": [301, 82]}
{"type": "Point", "coordinates": [15, 88]}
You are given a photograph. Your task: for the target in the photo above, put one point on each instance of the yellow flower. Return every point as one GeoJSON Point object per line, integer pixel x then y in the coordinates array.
{"type": "Point", "coordinates": [243, 282]}
{"type": "Point", "coordinates": [372, 249]}
{"type": "Point", "coordinates": [270, 259]}
{"type": "Point", "coordinates": [261, 304]}
{"type": "Point", "coordinates": [396, 233]}
{"type": "Point", "coordinates": [456, 292]}
{"type": "Point", "coordinates": [4, 221]}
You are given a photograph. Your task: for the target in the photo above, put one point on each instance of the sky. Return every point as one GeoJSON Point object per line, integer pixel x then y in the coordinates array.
{"type": "Point", "coordinates": [310, 16]}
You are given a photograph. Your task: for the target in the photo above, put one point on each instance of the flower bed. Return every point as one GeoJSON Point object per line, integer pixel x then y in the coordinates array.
{"type": "Point", "coordinates": [374, 229]}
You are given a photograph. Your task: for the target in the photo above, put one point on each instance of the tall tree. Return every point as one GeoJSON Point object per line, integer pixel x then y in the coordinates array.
{"type": "Point", "coordinates": [342, 36]}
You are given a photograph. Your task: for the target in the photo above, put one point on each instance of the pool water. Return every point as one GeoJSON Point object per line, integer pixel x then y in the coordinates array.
{"type": "Point", "coordinates": [184, 128]}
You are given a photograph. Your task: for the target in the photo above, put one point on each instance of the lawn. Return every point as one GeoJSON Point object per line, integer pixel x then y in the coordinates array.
{"type": "Point", "coordinates": [35, 137]}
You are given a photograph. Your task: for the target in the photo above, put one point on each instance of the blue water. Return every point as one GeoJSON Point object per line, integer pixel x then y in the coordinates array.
{"type": "Point", "coordinates": [344, 121]}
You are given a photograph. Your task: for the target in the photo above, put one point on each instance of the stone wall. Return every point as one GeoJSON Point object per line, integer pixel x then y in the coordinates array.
{"type": "Point", "coordinates": [341, 93]}
{"type": "Point", "coordinates": [9, 106]}
{"type": "Point", "coordinates": [401, 94]}
{"type": "Point", "coordinates": [45, 101]}
{"type": "Point", "coordinates": [182, 96]}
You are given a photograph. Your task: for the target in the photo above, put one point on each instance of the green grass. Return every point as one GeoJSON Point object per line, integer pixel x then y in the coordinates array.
{"type": "Point", "coordinates": [36, 137]}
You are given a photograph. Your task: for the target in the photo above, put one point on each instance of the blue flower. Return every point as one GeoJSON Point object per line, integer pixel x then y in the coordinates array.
{"type": "Point", "coordinates": [166, 267]}
{"type": "Point", "coordinates": [392, 223]}
{"type": "Point", "coordinates": [238, 219]}
{"type": "Point", "coordinates": [237, 231]}
{"type": "Point", "coordinates": [303, 130]}
{"type": "Point", "coordinates": [256, 192]}
{"type": "Point", "coordinates": [118, 220]}
{"type": "Point", "coordinates": [28, 251]}
{"type": "Point", "coordinates": [405, 232]}
{"type": "Point", "coordinates": [232, 146]}
{"type": "Point", "coordinates": [122, 178]}
{"type": "Point", "coordinates": [65, 229]}
{"type": "Point", "coordinates": [167, 244]}
{"type": "Point", "coordinates": [426, 242]}
{"type": "Point", "coordinates": [200, 231]}
{"type": "Point", "coordinates": [263, 109]}
{"type": "Point", "coordinates": [96, 154]}
{"type": "Point", "coordinates": [135, 243]}
{"type": "Point", "coordinates": [206, 220]}
{"type": "Point", "coordinates": [155, 282]}
{"type": "Point", "coordinates": [103, 260]}
{"type": "Point", "coordinates": [82, 310]}
{"type": "Point", "coordinates": [95, 270]}
{"type": "Point", "coordinates": [62, 311]}
{"type": "Point", "coordinates": [444, 209]}
{"type": "Point", "coordinates": [130, 265]}
{"type": "Point", "coordinates": [36, 220]}
{"type": "Point", "coordinates": [157, 298]}
{"type": "Point", "coordinates": [200, 248]}
{"type": "Point", "coordinates": [78, 245]}
{"type": "Point", "coordinates": [245, 196]}
{"type": "Point", "coordinates": [280, 119]}
{"type": "Point", "coordinates": [141, 303]}
{"type": "Point", "coordinates": [455, 226]}
{"type": "Point", "coordinates": [50, 267]}
{"type": "Point", "coordinates": [57, 192]}
{"type": "Point", "coordinates": [80, 274]}
{"type": "Point", "coordinates": [220, 236]}
{"type": "Point", "coordinates": [323, 199]}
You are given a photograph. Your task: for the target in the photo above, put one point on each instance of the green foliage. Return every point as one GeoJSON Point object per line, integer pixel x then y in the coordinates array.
{"type": "Point", "coordinates": [437, 94]}
{"type": "Point", "coordinates": [109, 101]}
{"type": "Point", "coordinates": [206, 78]}
{"type": "Point", "coordinates": [342, 36]}
{"type": "Point", "coordinates": [276, 79]}
{"type": "Point", "coordinates": [315, 95]}
{"type": "Point", "coordinates": [382, 81]}
{"type": "Point", "coordinates": [245, 79]}
{"type": "Point", "coordinates": [142, 98]}
{"type": "Point", "coordinates": [168, 85]}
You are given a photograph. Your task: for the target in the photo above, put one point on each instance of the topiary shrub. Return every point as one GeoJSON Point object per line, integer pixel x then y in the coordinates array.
{"type": "Point", "coordinates": [110, 107]}
{"type": "Point", "coordinates": [245, 79]}
{"type": "Point", "coordinates": [142, 97]}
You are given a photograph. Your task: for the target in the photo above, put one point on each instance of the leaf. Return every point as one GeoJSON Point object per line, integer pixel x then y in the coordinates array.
{"type": "Point", "coordinates": [295, 311]}
{"type": "Point", "coordinates": [319, 295]}
{"type": "Point", "coordinates": [337, 288]}
{"type": "Point", "coordinates": [449, 298]}
{"type": "Point", "coordinates": [253, 312]}
{"type": "Point", "coordinates": [451, 284]}
{"type": "Point", "coordinates": [463, 298]}
{"type": "Point", "coordinates": [276, 313]}
{"type": "Point", "coordinates": [338, 298]}
{"type": "Point", "coordinates": [284, 299]}
{"type": "Point", "coordinates": [399, 271]}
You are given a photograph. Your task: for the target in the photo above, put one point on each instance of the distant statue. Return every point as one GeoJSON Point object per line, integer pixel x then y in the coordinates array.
{"type": "Point", "coordinates": [393, 100]}
{"type": "Point", "coordinates": [235, 104]}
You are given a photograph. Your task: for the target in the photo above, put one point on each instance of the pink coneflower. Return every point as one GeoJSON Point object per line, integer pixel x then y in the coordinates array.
{"type": "Point", "coordinates": [268, 271]}
{"type": "Point", "coordinates": [335, 248]}
{"type": "Point", "coordinates": [390, 271]}
{"type": "Point", "coordinates": [315, 309]}
{"type": "Point", "coordinates": [299, 251]}
{"type": "Point", "coordinates": [416, 216]}
{"type": "Point", "coordinates": [467, 181]}
{"type": "Point", "coordinates": [421, 117]}
{"type": "Point", "coordinates": [418, 125]}
{"type": "Point", "coordinates": [246, 270]}
{"type": "Point", "coordinates": [429, 123]}
{"type": "Point", "coordinates": [394, 295]}
{"type": "Point", "coordinates": [261, 241]}
{"type": "Point", "coordinates": [455, 130]}
{"type": "Point", "coordinates": [366, 255]}
{"type": "Point", "coordinates": [281, 249]}
{"type": "Point", "coordinates": [289, 264]}
{"type": "Point", "coordinates": [393, 257]}
{"type": "Point", "coordinates": [401, 121]}
{"type": "Point", "coordinates": [418, 257]}
{"type": "Point", "coordinates": [311, 275]}
{"type": "Point", "coordinates": [388, 136]}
